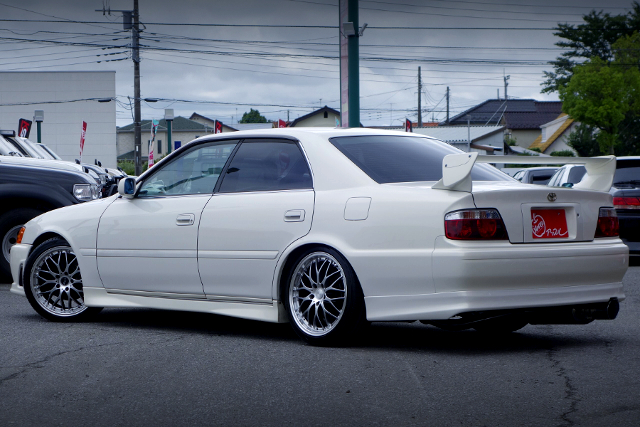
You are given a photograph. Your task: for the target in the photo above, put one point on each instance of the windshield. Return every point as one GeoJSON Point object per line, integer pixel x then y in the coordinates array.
{"type": "Point", "coordinates": [50, 151]}
{"type": "Point", "coordinates": [627, 172]}
{"type": "Point", "coordinates": [388, 159]}
{"type": "Point", "coordinates": [17, 147]}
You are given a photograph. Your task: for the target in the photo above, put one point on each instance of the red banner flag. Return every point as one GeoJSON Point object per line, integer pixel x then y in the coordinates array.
{"type": "Point", "coordinates": [408, 127]}
{"type": "Point", "coordinates": [82, 134]}
{"type": "Point", "coordinates": [282, 123]}
{"type": "Point", "coordinates": [218, 127]}
{"type": "Point", "coordinates": [24, 128]}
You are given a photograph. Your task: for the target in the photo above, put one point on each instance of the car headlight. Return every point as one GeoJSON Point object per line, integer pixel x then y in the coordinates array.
{"type": "Point", "coordinates": [86, 192]}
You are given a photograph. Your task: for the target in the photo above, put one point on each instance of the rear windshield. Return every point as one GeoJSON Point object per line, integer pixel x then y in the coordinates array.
{"type": "Point", "coordinates": [627, 172]}
{"type": "Point", "coordinates": [388, 159]}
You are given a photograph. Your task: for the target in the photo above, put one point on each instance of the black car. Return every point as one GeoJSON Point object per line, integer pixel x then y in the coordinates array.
{"type": "Point", "coordinates": [30, 187]}
{"type": "Point", "coordinates": [626, 200]}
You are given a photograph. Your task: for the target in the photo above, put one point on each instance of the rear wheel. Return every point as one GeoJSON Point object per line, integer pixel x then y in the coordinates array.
{"type": "Point", "coordinates": [10, 223]}
{"type": "Point", "coordinates": [323, 298]}
{"type": "Point", "coordinates": [53, 283]}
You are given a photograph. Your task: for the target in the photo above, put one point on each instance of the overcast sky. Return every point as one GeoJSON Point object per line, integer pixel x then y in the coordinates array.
{"type": "Point", "coordinates": [211, 68]}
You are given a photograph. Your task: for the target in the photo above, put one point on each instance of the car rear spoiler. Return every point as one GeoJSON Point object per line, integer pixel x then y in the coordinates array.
{"type": "Point", "coordinates": [456, 169]}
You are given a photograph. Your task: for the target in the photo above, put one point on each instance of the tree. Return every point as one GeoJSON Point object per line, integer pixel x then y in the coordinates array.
{"type": "Point", "coordinates": [594, 38]}
{"type": "Point", "coordinates": [583, 140]}
{"type": "Point", "coordinates": [603, 94]}
{"type": "Point", "coordinates": [253, 116]}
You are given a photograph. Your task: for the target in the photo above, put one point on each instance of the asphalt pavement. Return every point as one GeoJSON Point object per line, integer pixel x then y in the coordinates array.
{"type": "Point", "coordinates": [131, 367]}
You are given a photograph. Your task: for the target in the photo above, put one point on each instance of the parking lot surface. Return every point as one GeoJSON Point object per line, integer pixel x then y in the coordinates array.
{"type": "Point", "coordinates": [150, 367]}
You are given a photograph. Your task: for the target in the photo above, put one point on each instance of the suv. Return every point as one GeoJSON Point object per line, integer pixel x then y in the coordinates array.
{"type": "Point", "coordinates": [29, 187]}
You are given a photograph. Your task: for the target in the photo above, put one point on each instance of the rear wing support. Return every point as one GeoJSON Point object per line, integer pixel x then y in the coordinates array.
{"type": "Point", "coordinates": [456, 169]}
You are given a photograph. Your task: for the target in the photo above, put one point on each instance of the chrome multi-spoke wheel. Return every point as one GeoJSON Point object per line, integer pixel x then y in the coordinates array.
{"type": "Point", "coordinates": [317, 294]}
{"type": "Point", "coordinates": [56, 283]}
{"type": "Point", "coordinates": [53, 283]}
{"type": "Point", "coordinates": [323, 298]}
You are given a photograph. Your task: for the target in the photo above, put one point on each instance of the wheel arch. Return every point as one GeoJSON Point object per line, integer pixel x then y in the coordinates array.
{"type": "Point", "coordinates": [44, 237]}
{"type": "Point", "coordinates": [290, 256]}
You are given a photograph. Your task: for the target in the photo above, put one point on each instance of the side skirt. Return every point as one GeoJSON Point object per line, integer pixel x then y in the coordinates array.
{"type": "Point", "coordinates": [267, 311]}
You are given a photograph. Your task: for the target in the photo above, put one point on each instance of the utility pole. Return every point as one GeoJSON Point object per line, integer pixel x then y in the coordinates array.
{"type": "Point", "coordinates": [420, 98]}
{"type": "Point", "coordinates": [354, 65]}
{"type": "Point", "coordinates": [506, 83]}
{"type": "Point", "coordinates": [127, 17]}
{"type": "Point", "coordinates": [447, 122]}
{"type": "Point", "coordinates": [135, 47]}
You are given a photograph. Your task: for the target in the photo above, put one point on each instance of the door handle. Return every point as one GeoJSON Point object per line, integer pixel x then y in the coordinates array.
{"type": "Point", "coordinates": [185, 219]}
{"type": "Point", "coordinates": [296, 215]}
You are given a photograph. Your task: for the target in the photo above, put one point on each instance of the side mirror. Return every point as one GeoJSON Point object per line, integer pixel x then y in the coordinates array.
{"type": "Point", "coordinates": [567, 185]}
{"type": "Point", "coordinates": [127, 187]}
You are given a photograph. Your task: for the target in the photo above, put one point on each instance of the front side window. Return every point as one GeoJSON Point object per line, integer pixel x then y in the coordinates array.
{"type": "Point", "coordinates": [267, 165]}
{"type": "Point", "coordinates": [388, 159]}
{"type": "Point", "coordinates": [194, 172]}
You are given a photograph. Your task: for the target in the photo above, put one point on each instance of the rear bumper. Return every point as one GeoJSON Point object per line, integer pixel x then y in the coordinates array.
{"type": "Point", "coordinates": [488, 266]}
{"type": "Point", "coordinates": [441, 306]}
{"type": "Point", "coordinates": [483, 276]}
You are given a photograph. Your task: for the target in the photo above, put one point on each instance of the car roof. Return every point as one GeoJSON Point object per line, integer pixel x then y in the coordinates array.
{"type": "Point", "coordinates": [301, 132]}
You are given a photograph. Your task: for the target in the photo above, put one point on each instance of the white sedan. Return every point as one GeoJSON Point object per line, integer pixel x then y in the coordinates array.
{"type": "Point", "coordinates": [330, 229]}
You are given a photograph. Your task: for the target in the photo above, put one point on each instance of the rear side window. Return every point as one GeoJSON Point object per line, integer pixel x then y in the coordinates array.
{"type": "Point", "coordinates": [576, 174]}
{"type": "Point", "coordinates": [542, 177]}
{"type": "Point", "coordinates": [267, 166]}
{"type": "Point", "coordinates": [388, 159]}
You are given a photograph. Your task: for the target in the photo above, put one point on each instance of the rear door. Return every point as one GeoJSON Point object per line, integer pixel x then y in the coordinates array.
{"type": "Point", "coordinates": [264, 202]}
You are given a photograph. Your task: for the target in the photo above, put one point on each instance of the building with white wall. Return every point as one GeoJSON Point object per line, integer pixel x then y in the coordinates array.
{"type": "Point", "coordinates": [67, 98]}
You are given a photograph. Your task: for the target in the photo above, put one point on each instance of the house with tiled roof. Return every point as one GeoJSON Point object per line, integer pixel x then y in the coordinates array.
{"type": "Point", "coordinates": [322, 117]}
{"type": "Point", "coordinates": [521, 118]}
{"type": "Point", "coordinates": [183, 130]}
{"type": "Point", "coordinates": [553, 136]}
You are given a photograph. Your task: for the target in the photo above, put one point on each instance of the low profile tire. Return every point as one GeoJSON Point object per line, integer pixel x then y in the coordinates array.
{"type": "Point", "coordinates": [53, 283]}
{"type": "Point", "coordinates": [501, 325]}
{"type": "Point", "coordinates": [323, 298]}
{"type": "Point", "coordinates": [10, 223]}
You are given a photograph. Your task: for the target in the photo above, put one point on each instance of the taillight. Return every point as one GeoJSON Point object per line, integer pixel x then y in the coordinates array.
{"type": "Point", "coordinates": [607, 223]}
{"type": "Point", "coordinates": [475, 224]}
{"type": "Point", "coordinates": [626, 202]}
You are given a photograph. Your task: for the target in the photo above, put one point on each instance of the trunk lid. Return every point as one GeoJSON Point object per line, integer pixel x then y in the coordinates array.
{"type": "Point", "coordinates": [537, 214]}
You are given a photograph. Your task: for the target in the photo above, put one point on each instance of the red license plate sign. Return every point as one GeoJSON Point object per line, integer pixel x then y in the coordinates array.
{"type": "Point", "coordinates": [549, 224]}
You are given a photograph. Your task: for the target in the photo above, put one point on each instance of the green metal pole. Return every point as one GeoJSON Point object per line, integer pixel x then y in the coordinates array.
{"type": "Point", "coordinates": [354, 67]}
{"type": "Point", "coordinates": [169, 122]}
{"type": "Point", "coordinates": [39, 132]}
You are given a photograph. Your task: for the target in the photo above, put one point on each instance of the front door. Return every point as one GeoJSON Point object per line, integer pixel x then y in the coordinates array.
{"type": "Point", "coordinates": [148, 244]}
{"type": "Point", "coordinates": [264, 203]}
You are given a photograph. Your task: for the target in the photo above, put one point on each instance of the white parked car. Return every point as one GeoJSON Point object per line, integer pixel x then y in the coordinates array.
{"type": "Point", "coordinates": [329, 229]}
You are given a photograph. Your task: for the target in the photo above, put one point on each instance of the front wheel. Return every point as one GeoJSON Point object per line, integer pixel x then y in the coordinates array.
{"type": "Point", "coordinates": [53, 283]}
{"type": "Point", "coordinates": [323, 298]}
